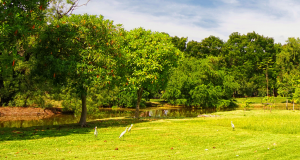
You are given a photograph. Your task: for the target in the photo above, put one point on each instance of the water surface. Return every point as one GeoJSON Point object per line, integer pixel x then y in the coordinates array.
{"type": "Point", "coordinates": [13, 122]}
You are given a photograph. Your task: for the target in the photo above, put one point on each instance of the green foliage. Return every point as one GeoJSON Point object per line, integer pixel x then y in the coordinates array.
{"type": "Point", "coordinates": [180, 43]}
{"type": "Point", "coordinates": [288, 61]}
{"type": "Point", "coordinates": [246, 104]}
{"type": "Point", "coordinates": [210, 46]}
{"type": "Point", "coordinates": [149, 56]}
{"type": "Point", "coordinates": [149, 59]}
{"type": "Point", "coordinates": [200, 83]}
{"type": "Point", "coordinates": [296, 95]}
{"type": "Point", "coordinates": [128, 98]}
{"type": "Point", "coordinates": [250, 58]}
{"type": "Point", "coordinates": [81, 55]}
{"type": "Point", "coordinates": [269, 101]}
{"type": "Point", "coordinates": [19, 21]}
{"type": "Point", "coordinates": [79, 51]}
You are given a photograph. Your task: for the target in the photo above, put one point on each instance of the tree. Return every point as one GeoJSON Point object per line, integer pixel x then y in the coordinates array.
{"type": "Point", "coordinates": [28, 17]}
{"type": "Point", "coordinates": [266, 65]}
{"type": "Point", "coordinates": [288, 62]}
{"type": "Point", "coordinates": [20, 19]}
{"type": "Point", "coordinates": [31, 91]}
{"type": "Point", "coordinates": [243, 55]}
{"type": "Point", "coordinates": [200, 83]}
{"type": "Point", "coordinates": [150, 56]}
{"type": "Point", "coordinates": [180, 43]}
{"type": "Point", "coordinates": [296, 96]}
{"type": "Point", "coordinates": [78, 52]}
{"type": "Point", "coordinates": [210, 46]}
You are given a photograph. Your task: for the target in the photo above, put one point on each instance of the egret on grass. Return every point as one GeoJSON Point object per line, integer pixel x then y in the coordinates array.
{"type": "Point", "coordinates": [96, 133]}
{"type": "Point", "coordinates": [122, 134]}
{"type": "Point", "coordinates": [129, 129]}
{"type": "Point", "coordinates": [232, 125]}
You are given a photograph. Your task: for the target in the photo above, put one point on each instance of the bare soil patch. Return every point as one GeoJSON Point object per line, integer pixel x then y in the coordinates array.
{"type": "Point", "coordinates": [26, 113]}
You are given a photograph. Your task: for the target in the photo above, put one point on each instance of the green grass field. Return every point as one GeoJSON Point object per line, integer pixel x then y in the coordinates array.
{"type": "Point", "coordinates": [258, 135]}
{"type": "Point", "coordinates": [259, 100]}
{"type": "Point", "coordinates": [257, 103]}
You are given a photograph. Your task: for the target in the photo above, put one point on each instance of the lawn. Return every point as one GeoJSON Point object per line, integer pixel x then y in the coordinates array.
{"type": "Point", "coordinates": [258, 103]}
{"type": "Point", "coordinates": [259, 100]}
{"type": "Point", "coordinates": [257, 135]}
{"type": "Point", "coordinates": [255, 103]}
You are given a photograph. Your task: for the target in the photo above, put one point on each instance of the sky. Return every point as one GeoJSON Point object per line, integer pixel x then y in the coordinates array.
{"type": "Point", "coordinates": [198, 19]}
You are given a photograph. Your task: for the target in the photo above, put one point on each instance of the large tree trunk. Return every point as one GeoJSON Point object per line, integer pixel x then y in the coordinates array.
{"type": "Point", "coordinates": [137, 109]}
{"type": "Point", "coordinates": [5, 99]}
{"type": "Point", "coordinates": [82, 121]}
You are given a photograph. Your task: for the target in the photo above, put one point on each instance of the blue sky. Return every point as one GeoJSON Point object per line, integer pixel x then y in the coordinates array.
{"type": "Point", "coordinates": [198, 19]}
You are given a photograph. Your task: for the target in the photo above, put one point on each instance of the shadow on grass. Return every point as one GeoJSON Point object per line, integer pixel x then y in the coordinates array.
{"type": "Point", "coordinates": [38, 132]}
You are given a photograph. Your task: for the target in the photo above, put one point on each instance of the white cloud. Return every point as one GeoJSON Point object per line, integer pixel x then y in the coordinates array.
{"type": "Point", "coordinates": [230, 1]}
{"type": "Point", "coordinates": [274, 18]}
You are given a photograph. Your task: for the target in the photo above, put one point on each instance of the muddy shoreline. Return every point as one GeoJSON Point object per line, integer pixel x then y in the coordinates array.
{"type": "Point", "coordinates": [27, 113]}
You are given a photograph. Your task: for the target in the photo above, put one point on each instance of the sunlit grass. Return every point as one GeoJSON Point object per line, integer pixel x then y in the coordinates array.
{"type": "Point", "coordinates": [258, 134]}
{"type": "Point", "coordinates": [156, 100]}
{"type": "Point", "coordinates": [259, 100]}
{"type": "Point", "coordinates": [259, 103]}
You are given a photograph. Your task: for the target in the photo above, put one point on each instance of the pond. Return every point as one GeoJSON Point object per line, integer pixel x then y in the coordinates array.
{"type": "Point", "coordinates": [103, 113]}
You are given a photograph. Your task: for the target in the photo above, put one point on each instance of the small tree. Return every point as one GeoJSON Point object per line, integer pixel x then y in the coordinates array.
{"type": "Point", "coordinates": [246, 105]}
{"type": "Point", "coordinates": [296, 95]}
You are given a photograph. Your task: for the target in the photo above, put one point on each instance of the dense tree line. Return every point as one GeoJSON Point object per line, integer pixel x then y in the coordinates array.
{"type": "Point", "coordinates": [87, 61]}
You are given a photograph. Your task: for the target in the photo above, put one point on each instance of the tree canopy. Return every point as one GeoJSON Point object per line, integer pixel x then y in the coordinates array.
{"type": "Point", "coordinates": [47, 50]}
{"type": "Point", "coordinates": [149, 58]}
{"type": "Point", "coordinates": [79, 51]}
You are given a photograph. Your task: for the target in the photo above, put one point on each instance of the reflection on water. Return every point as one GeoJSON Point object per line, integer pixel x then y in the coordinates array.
{"type": "Point", "coordinates": [178, 112]}
{"type": "Point", "coordinates": [53, 120]}
{"type": "Point", "coordinates": [106, 113]}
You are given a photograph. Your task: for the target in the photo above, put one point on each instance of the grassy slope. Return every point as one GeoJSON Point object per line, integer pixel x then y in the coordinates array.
{"type": "Point", "coordinates": [259, 134]}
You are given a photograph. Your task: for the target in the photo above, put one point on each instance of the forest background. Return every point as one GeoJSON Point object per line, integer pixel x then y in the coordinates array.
{"type": "Point", "coordinates": [85, 62]}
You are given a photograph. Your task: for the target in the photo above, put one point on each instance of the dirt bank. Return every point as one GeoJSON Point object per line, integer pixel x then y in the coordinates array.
{"type": "Point", "coordinates": [26, 113]}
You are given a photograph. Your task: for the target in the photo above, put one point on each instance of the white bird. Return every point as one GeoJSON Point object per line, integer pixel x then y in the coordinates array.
{"type": "Point", "coordinates": [122, 134]}
{"type": "Point", "coordinates": [129, 129]}
{"type": "Point", "coordinates": [96, 133]}
{"type": "Point", "coordinates": [232, 125]}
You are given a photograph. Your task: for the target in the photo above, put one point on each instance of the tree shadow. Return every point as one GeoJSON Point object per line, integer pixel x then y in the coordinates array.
{"type": "Point", "coordinates": [38, 132]}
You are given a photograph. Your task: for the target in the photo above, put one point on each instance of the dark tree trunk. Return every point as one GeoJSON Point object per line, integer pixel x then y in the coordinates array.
{"type": "Point", "coordinates": [7, 98]}
{"type": "Point", "coordinates": [1, 96]}
{"type": "Point", "coordinates": [137, 109]}
{"type": "Point", "coordinates": [82, 121]}
{"type": "Point", "coordinates": [25, 103]}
